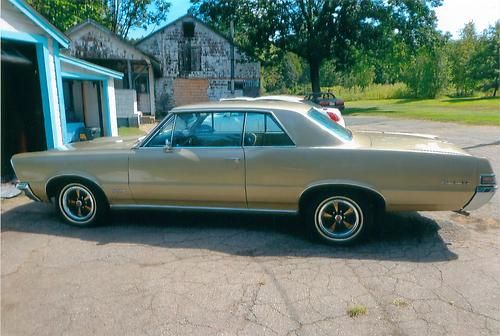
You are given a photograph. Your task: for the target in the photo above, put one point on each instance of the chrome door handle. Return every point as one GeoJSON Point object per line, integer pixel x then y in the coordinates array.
{"type": "Point", "coordinates": [235, 159]}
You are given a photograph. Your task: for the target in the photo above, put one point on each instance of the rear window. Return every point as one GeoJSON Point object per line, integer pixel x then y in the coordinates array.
{"type": "Point", "coordinates": [333, 127]}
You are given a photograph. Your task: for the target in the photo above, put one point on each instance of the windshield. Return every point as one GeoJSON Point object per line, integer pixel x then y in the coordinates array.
{"type": "Point", "coordinates": [333, 127]}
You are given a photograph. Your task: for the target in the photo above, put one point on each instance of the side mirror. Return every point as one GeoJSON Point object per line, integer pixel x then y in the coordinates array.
{"type": "Point", "coordinates": [168, 146]}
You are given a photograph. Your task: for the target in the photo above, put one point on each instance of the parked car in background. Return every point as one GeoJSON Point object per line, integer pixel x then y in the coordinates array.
{"type": "Point", "coordinates": [330, 112]}
{"type": "Point", "coordinates": [274, 157]}
{"type": "Point", "coordinates": [326, 99]}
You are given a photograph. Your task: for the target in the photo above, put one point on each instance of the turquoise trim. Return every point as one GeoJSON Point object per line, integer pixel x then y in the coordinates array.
{"type": "Point", "coordinates": [82, 76]}
{"type": "Point", "coordinates": [42, 53]}
{"type": "Point", "coordinates": [91, 67]}
{"type": "Point", "coordinates": [107, 108]}
{"type": "Point", "coordinates": [60, 95]}
{"type": "Point", "coordinates": [40, 21]}
{"type": "Point", "coordinates": [22, 37]}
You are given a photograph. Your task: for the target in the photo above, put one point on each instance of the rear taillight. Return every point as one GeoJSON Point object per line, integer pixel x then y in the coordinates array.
{"type": "Point", "coordinates": [333, 116]}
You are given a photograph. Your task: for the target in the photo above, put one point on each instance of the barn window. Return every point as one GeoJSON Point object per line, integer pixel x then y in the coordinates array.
{"type": "Point", "coordinates": [188, 29]}
{"type": "Point", "coordinates": [189, 58]}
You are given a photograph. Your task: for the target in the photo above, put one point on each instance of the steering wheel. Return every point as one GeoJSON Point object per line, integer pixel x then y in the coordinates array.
{"type": "Point", "coordinates": [250, 139]}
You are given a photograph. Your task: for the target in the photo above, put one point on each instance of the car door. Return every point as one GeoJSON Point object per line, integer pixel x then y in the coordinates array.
{"type": "Point", "coordinates": [272, 165]}
{"type": "Point", "coordinates": [202, 166]}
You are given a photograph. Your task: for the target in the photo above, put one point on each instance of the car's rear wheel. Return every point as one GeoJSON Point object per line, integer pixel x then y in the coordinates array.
{"type": "Point", "coordinates": [81, 205]}
{"type": "Point", "coordinates": [339, 219]}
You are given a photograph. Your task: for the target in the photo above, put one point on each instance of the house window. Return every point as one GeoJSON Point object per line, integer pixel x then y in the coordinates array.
{"type": "Point", "coordinates": [238, 85]}
{"type": "Point", "coordinates": [189, 58]}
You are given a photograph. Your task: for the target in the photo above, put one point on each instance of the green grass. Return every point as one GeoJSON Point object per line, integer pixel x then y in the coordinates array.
{"type": "Point", "coordinates": [474, 111]}
{"type": "Point", "coordinates": [130, 131]}
{"type": "Point", "coordinates": [400, 303]}
{"type": "Point", "coordinates": [357, 310]}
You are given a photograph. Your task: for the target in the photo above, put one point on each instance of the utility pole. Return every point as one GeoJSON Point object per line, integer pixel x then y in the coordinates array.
{"type": "Point", "coordinates": [231, 27]}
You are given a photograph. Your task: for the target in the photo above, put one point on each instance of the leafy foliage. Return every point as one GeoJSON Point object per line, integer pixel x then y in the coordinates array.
{"type": "Point", "coordinates": [66, 13]}
{"type": "Point", "coordinates": [127, 14]}
{"type": "Point", "coordinates": [118, 15]}
{"type": "Point", "coordinates": [319, 30]}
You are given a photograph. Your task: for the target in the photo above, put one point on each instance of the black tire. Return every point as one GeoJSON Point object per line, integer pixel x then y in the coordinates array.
{"type": "Point", "coordinates": [339, 218]}
{"type": "Point", "coordinates": [81, 204]}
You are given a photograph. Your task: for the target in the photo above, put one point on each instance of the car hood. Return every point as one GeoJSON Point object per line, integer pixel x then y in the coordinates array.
{"type": "Point", "coordinates": [105, 143]}
{"type": "Point", "coordinates": [408, 142]}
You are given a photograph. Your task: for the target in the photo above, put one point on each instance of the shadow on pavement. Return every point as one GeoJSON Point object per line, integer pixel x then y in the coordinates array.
{"type": "Point", "coordinates": [400, 237]}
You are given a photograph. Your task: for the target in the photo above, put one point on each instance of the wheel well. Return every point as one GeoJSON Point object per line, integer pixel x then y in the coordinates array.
{"type": "Point", "coordinates": [376, 199]}
{"type": "Point", "coordinates": [55, 184]}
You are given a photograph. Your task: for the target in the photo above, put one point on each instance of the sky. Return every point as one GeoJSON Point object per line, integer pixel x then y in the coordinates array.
{"type": "Point", "coordinates": [452, 16]}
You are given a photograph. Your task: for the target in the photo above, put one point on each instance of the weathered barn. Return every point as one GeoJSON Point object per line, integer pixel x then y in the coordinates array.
{"type": "Point", "coordinates": [198, 64]}
{"type": "Point", "coordinates": [135, 92]}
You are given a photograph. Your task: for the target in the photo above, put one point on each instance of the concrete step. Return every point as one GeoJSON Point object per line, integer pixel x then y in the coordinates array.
{"type": "Point", "coordinates": [146, 119]}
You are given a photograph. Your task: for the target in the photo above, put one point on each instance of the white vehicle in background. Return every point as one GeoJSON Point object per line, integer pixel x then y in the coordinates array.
{"type": "Point", "coordinates": [332, 113]}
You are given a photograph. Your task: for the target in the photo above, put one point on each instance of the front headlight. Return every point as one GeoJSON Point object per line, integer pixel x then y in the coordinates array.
{"type": "Point", "coordinates": [488, 179]}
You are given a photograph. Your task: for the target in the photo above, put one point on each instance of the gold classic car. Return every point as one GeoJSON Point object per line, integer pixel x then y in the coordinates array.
{"type": "Point", "coordinates": [273, 157]}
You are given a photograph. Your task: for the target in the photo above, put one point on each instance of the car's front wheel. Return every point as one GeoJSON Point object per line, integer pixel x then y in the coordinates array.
{"type": "Point", "coordinates": [81, 205]}
{"type": "Point", "coordinates": [339, 219]}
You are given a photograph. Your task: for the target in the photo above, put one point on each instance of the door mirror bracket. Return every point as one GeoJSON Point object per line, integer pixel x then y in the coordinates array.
{"type": "Point", "coordinates": [168, 146]}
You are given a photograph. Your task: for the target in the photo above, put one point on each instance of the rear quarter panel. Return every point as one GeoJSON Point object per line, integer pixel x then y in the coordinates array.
{"type": "Point", "coordinates": [276, 177]}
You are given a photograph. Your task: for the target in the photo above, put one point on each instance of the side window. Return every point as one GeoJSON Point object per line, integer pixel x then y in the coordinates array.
{"type": "Point", "coordinates": [262, 130]}
{"type": "Point", "coordinates": [208, 129]}
{"type": "Point", "coordinates": [164, 133]}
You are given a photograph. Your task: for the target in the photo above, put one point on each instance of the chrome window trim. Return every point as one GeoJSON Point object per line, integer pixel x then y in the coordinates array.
{"type": "Point", "coordinates": [147, 139]}
{"type": "Point", "coordinates": [243, 110]}
{"type": "Point", "coordinates": [211, 111]}
{"type": "Point", "coordinates": [280, 125]}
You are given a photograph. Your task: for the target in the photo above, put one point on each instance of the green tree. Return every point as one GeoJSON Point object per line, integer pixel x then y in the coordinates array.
{"type": "Point", "coordinates": [461, 55]}
{"type": "Point", "coordinates": [485, 61]}
{"type": "Point", "coordinates": [118, 15]}
{"type": "Point", "coordinates": [284, 73]}
{"type": "Point", "coordinates": [319, 30]}
{"type": "Point", "coordinates": [427, 73]}
{"type": "Point", "coordinates": [66, 13]}
{"type": "Point", "coordinates": [127, 14]}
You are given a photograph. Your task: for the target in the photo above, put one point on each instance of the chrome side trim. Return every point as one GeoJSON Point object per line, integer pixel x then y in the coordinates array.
{"type": "Point", "coordinates": [200, 208]}
{"type": "Point", "coordinates": [342, 184]}
{"type": "Point", "coordinates": [482, 196]}
{"type": "Point", "coordinates": [25, 187]}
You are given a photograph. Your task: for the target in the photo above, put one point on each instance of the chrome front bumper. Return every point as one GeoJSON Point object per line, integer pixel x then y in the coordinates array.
{"type": "Point", "coordinates": [25, 187]}
{"type": "Point", "coordinates": [482, 196]}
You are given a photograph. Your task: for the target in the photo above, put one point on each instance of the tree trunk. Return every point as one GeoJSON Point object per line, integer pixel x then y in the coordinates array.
{"type": "Point", "coordinates": [314, 64]}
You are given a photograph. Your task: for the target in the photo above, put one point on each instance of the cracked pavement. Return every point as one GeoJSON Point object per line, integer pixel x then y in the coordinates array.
{"type": "Point", "coordinates": [168, 273]}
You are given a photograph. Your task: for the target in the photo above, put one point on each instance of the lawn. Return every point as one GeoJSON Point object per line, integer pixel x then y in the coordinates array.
{"type": "Point", "coordinates": [130, 131]}
{"type": "Point", "coordinates": [476, 111]}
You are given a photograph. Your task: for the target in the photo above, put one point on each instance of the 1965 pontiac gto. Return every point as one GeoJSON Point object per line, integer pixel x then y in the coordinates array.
{"type": "Point", "coordinates": [259, 157]}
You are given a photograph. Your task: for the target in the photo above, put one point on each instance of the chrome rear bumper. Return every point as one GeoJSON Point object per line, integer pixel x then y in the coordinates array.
{"type": "Point", "coordinates": [482, 196]}
{"type": "Point", "coordinates": [25, 187]}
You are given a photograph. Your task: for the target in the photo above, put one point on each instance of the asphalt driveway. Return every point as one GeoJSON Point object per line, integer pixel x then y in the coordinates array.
{"type": "Point", "coordinates": [155, 273]}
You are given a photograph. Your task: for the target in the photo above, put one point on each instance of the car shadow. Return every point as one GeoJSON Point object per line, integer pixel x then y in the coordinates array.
{"type": "Point", "coordinates": [399, 237]}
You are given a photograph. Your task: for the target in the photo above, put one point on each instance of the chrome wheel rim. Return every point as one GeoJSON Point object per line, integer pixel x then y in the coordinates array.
{"type": "Point", "coordinates": [339, 218]}
{"type": "Point", "coordinates": [78, 204]}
